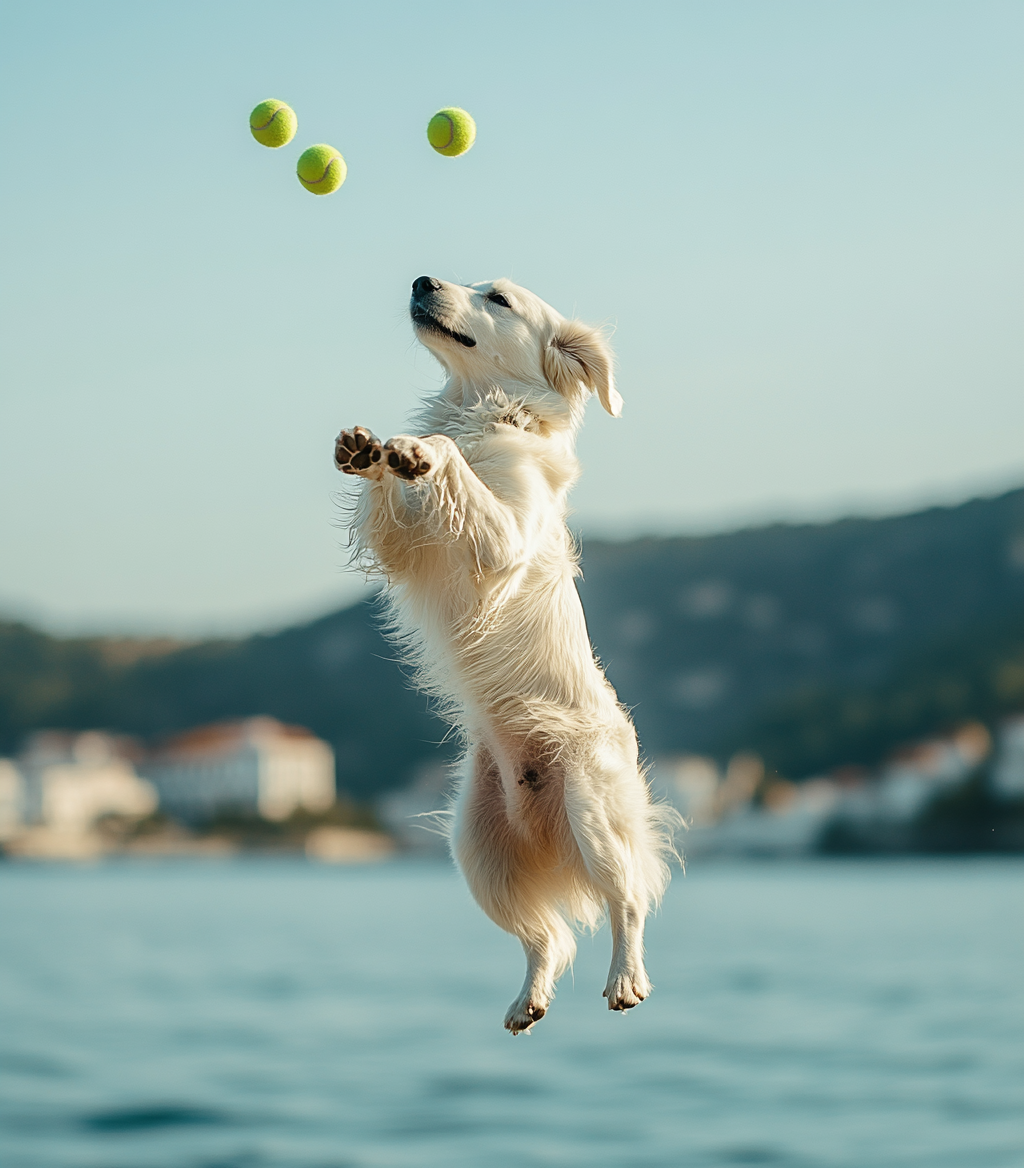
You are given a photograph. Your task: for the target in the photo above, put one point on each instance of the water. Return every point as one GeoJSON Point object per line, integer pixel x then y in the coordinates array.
{"type": "Point", "coordinates": [272, 1014]}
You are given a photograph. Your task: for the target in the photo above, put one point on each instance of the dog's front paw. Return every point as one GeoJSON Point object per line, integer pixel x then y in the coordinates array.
{"type": "Point", "coordinates": [523, 1012]}
{"type": "Point", "coordinates": [626, 990]}
{"type": "Point", "coordinates": [358, 452]}
{"type": "Point", "coordinates": [409, 458]}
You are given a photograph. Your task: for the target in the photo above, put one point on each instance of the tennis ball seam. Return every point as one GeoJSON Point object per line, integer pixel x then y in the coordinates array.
{"type": "Point", "coordinates": [314, 182]}
{"type": "Point", "coordinates": [280, 109]}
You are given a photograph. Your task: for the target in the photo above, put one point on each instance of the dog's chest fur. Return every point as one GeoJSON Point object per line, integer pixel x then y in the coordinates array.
{"type": "Point", "coordinates": [503, 621]}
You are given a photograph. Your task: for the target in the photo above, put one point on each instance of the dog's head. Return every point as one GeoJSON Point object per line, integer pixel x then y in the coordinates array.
{"type": "Point", "coordinates": [497, 332]}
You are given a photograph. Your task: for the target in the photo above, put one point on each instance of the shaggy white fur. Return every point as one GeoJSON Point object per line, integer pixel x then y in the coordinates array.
{"type": "Point", "coordinates": [553, 823]}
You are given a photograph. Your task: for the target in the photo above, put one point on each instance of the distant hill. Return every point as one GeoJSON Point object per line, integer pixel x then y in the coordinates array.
{"type": "Point", "coordinates": [802, 641]}
{"type": "Point", "coordinates": [704, 635]}
{"type": "Point", "coordinates": [975, 673]}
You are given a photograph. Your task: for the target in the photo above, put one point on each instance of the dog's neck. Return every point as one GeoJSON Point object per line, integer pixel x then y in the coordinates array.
{"type": "Point", "coordinates": [464, 406]}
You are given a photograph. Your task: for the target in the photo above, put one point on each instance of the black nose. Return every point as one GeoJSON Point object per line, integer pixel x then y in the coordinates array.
{"type": "Point", "coordinates": [424, 284]}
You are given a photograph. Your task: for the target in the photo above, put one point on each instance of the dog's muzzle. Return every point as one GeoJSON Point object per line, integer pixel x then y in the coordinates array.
{"type": "Point", "coordinates": [427, 312]}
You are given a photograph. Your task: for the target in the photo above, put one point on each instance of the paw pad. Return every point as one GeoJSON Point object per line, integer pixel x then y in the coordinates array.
{"type": "Point", "coordinates": [356, 451]}
{"type": "Point", "coordinates": [406, 458]}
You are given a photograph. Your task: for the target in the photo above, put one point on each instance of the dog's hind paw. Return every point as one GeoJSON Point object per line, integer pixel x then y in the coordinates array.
{"type": "Point", "coordinates": [358, 452]}
{"type": "Point", "coordinates": [523, 1013]}
{"type": "Point", "coordinates": [409, 458]}
{"type": "Point", "coordinates": [627, 990]}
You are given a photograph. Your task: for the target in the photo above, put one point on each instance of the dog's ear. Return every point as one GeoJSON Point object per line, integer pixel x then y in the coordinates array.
{"type": "Point", "coordinates": [576, 354]}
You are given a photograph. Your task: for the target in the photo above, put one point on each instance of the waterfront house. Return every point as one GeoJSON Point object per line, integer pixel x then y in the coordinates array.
{"type": "Point", "coordinates": [70, 780]}
{"type": "Point", "coordinates": [257, 766]}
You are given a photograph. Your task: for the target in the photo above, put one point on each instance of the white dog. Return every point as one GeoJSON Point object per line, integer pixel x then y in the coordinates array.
{"type": "Point", "coordinates": [553, 821]}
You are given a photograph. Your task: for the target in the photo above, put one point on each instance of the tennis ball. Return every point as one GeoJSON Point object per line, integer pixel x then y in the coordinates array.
{"type": "Point", "coordinates": [321, 169]}
{"type": "Point", "coordinates": [273, 123]}
{"type": "Point", "coordinates": [451, 132]}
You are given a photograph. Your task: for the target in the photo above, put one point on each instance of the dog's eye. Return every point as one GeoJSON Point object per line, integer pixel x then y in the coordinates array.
{"type": "Point", "coordinates": [497, 298]}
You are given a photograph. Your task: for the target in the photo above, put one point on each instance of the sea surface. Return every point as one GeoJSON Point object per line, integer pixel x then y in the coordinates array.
{"type": "Point", "coordinates": [277, 1014]}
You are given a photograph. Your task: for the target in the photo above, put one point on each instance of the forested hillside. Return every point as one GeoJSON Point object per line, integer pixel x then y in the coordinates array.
{"type": "Point", "coordinates": [706, 637]}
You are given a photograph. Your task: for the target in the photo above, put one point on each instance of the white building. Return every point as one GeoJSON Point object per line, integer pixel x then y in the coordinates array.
{"type": "Point", "coordinates": [69, 781]}
{"type": "Point", "coordinates": [690, 784]}
{"type": "Point", "coordinates": [789, 822]}
{"type": "Point", "coordinates": [11, 799]}
{"type": "Point", "coordinates": [693, 786]}
{"type": "Point", "coordinates": [916, 774]}
{"type": "Point", "coordinates": [1008, 772]}
{"type": "Point", "coordinates": [257, 766]}
{"type": "Point", "coordinates": [418, 816]}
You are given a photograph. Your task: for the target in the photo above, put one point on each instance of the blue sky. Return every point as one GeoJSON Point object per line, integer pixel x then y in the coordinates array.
{"type": "Point", "coordinates": [803, 221]}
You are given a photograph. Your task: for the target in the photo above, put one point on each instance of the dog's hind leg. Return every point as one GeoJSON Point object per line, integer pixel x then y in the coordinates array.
{"type": "Point", "coordinates": [616, 830]}
{"type": "Point", "coordinates": [548, 950]}
{"type": "Point", "coordinates": [627, 984]}
{"type": "Point", "coordinates": [512, 881]}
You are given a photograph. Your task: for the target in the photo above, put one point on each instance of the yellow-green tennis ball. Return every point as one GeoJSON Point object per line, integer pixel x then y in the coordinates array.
{"type": "Point", "coordinates": [321, 169]}
{"type": "Point", "coordinates": [273, 123]}
{"type": "Point", "coordinates": [451, 132]}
